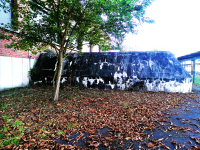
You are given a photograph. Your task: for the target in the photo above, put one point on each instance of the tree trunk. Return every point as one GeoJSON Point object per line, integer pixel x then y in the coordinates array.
{"type": "Point", "coordinates": [58, 77]}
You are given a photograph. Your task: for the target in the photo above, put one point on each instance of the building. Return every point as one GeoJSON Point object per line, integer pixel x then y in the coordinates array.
{"type": "Point", "coordinates": [14, 65]}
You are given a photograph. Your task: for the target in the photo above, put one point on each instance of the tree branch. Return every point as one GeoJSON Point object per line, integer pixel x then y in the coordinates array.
{"type": "Point", "coordinates": [41, 8]}
{"type": "Point", "coordinates": [66, 41]}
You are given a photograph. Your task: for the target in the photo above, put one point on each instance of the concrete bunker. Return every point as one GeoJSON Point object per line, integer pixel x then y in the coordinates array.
{"type": "Point", "coordinates": [158, 71]}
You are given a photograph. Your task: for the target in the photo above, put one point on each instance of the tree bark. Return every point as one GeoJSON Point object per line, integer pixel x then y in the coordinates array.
{"type": "Point", "coordinates": [58, 77]}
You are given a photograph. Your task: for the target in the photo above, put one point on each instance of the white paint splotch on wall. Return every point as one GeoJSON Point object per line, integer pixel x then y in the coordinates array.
{"type": "Point", "coordinates": [156, 85]}
{"type": "Point", "coordinates": [171, 86]}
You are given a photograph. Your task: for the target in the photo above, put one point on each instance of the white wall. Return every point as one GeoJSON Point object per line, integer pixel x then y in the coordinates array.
{"type": "Point", "coordinates": [86, 47]}
{"type": "Point", "coordinates": [14, 72]}
{"type": "Point", "coordinates": [95, 48]}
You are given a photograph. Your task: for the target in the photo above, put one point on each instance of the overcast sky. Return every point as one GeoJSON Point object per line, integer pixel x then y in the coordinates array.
{"type": "Point", "coordinates": [176, 28]}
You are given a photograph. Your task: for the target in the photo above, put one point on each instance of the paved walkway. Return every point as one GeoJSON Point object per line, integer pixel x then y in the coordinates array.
{"type": "Point", "coordinates": [196, 89]}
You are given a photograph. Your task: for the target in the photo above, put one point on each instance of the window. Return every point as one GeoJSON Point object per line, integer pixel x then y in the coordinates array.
{"type": "Point", "coordinates": [5, 17]}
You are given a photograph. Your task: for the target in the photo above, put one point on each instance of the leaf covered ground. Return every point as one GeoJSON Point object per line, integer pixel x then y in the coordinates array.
{"type": "Point", "coordinates": [87, 118]}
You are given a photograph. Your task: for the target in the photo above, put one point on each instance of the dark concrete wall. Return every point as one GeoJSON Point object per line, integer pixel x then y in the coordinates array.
{"type": "Point", "coordinates": [159, 71]}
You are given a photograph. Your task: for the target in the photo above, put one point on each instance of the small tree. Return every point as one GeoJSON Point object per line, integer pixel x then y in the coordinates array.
{"type": "Point", "coordinates": [65, 24]}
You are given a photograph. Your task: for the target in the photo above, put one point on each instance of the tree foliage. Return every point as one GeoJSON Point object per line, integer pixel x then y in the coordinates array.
{"type": "Point", "coordinates": [65, 24]}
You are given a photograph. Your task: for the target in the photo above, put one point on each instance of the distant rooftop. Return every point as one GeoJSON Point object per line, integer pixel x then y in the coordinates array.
{"type": "Point", "coordinates": [190, 56]}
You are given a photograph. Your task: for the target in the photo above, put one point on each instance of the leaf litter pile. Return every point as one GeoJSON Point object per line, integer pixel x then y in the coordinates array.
{"type": "Point", "coordinates": [86, 118]}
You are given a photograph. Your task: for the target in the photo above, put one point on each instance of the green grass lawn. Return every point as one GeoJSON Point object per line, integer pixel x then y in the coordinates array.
{"type": "Point", "coordinates": [197, 80]}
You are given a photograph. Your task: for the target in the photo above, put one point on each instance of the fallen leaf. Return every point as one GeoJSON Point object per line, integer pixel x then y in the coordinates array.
{"type": "Point", "coordinates": [127, 138]}
{"type": "Point", "coordinates": [150, 145]}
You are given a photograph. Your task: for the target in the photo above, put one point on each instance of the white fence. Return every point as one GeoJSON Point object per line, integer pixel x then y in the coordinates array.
{"type": "Point", "coordinates": [14, 72]}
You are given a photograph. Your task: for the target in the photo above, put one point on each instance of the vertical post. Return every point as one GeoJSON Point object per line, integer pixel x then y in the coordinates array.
{"type": "Point", "coordinates": [191, 68]}
{"type": "Point", "coordinates": [29, 69]}
{"type": "Point", "coordinates": [185, 65]}
{"type": "Point", "coordinates": [194, 70]}
{"type": "Point", "coordinates": [30, 63]}
{"type": "Point", "coordinates": [90, 48]}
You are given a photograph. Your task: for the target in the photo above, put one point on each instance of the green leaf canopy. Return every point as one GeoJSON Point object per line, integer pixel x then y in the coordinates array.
{"type": "Point", "coordinates": [65, 24]}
